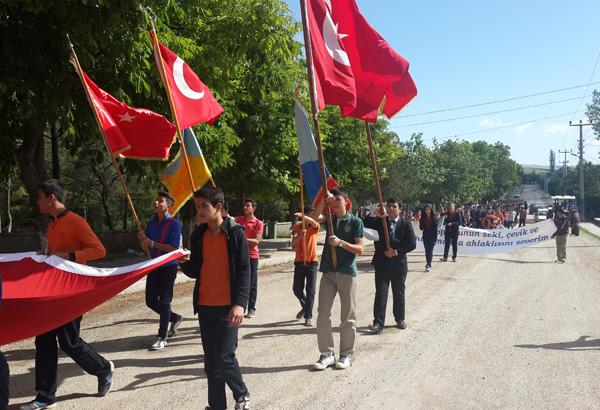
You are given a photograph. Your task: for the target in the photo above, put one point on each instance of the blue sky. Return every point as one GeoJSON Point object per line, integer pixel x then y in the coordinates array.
{"type": "Point", "coordinates": [471, 52]}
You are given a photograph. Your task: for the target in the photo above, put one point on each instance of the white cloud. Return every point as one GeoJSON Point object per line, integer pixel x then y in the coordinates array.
{"type": "Point", "coordinates": [491, 123]}
{"type": "Point", "coordinates": [556, 129]}
{"type": "Point", "coordinates": [520, 130]}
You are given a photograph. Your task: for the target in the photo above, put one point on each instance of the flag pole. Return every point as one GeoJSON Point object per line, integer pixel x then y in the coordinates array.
{"type": "Point", "coordinates": [302, 210]}
{"type": "Point", "coordinates": [315, 115]}
{"type": "Point", "coordinates": [161, 69]}
{"type": "Point", "coordinates": [114, 161]}
{"type": "Point", "coordinates": [377, 183]}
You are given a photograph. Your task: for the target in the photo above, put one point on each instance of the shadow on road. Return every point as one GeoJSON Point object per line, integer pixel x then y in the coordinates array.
{"type": "Point", "coordinates": [122, 344]}
{"type": "Point", "coordinates": [520, 262]}
{"type": "Point", "coordinates": [581, 344]}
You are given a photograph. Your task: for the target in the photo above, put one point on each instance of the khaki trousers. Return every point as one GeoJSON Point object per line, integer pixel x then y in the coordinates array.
{"type": "Point", "coordinates": [333, 283]}
{"type": "Point", "coordinates": [561, 247]}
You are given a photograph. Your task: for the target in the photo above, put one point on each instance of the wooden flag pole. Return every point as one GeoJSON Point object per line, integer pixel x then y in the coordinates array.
{"type": "Point", "coordinates": [302, 210]}
{"type": "Point", "coordinates": [315, 115]}
{"type": "Point", "coordinates": [377, 183]}
{"type": "Point", "coordinates": [114, 161]}
{"type": "Point", "coordinates": [161, 69]}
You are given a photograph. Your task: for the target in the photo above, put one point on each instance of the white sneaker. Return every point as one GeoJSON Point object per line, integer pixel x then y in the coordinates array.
{"type": "Point", "coordinates": [344, 362]}
{"type": "Point", "coordinates": [325, 361]}
{"type": "Point", "coordinates": [159, 344]}
{"type": "Point", "coordinates": [35, 405]}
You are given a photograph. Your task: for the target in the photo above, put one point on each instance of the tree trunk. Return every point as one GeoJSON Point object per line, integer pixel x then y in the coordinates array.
{"type": "Point", "coordinates": [32, 169]}
{"type": "Point", "coordinates": [9, 220]}
{"type": "Point", "coordinates": [54, 135]}
{"type": "Point", "coordinates": [107, 215]}
{"type": "Point", "coordinates": [186, 217]}
{"type": "Point", "coordinates": [125, 213]}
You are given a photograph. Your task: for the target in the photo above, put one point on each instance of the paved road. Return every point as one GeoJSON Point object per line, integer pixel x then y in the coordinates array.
{"type": "Point", "coordinates": [533, 194]}
{"type": "Point", "coordinates": [508, 331]}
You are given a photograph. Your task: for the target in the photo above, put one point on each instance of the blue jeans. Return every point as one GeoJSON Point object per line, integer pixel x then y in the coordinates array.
{"type": "Point", "coordinates": [219, 341]}
{"type": "Point", "coordinates": [306, 273]}
{"type": "Point", "coordinates": [159, 294]}
{"type": "Point", "coordinates": [253, 284]}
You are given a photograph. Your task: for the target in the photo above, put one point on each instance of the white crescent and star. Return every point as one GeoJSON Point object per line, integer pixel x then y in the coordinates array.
{"type": "Point", "coordinates": [332, 38]}
{"type": "Point", "coordinates": [181, 84]}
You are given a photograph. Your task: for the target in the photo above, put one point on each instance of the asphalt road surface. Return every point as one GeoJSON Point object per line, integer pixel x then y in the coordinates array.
{"type": "Point", "coordinates": [533, 194]}
{"type": "Point", "coordinates": [513, 331]}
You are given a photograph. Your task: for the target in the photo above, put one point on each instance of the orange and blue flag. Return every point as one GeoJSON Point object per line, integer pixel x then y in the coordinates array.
{"type": "Point", "coordinates": [176, 175]}
{"type": "Point", "coordinates": [309, 158]}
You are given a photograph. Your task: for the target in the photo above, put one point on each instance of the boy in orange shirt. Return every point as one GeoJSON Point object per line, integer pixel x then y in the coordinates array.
{"type": "Point", "coordinates": [69, 237]}
{"type": "Point", "coordinates": [220, 264]}
{"type": "Point", "coordinates": [305, 269]}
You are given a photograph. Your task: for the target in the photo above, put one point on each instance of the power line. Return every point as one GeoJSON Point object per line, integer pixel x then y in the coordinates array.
{"type": "Point", "coordinates": [487, 113]}
{"type": "Point", "coordinates": [499, 101]}
{"type": "Point", "coordinates": [586, 91]}
{"type": "Point", "coordinates": [509, 125]}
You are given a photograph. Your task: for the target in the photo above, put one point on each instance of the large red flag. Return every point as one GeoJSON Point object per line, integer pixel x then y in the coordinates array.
{"type": "Point", "coordinates": [381, 77]}
{"type": "Point", "coordinates": [192, 100]}
{"type": "Point", "coordinates": [41, 293]}
{"type": "Point", "coordinates": [333, 75]}
{"type": "Point", "coordinates": [130, 132]}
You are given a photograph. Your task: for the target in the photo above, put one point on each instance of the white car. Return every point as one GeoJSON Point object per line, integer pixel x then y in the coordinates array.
{"type": "Point", "coordinates": [541, 215]}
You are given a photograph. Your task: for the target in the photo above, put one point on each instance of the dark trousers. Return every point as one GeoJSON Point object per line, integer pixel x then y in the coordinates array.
{"type": "Point", "coordinates": [305, 274]}
{"type": "Point", "coordinates": [159, 295]}
{"type": "Point", "coordinates": [253, 284]}
{"type": "Point", "coordinates": [383, 277]}
{"type": "Point", "coordinates": [46, 358]}
{"type": "Point", "coordinates": [428, 244]}
{"type": "Point", "coordinates": [521, 222]}
{"type": "Point", "coordinates": [4, 376]}
{"type": "Point", "coordinates": [450, 236]}
{"type": "Point", "coordinates": [219, 342]}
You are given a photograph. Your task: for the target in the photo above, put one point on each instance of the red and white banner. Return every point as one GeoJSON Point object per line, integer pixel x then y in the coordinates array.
{"type": "Point", "coordinates": [41, 293]}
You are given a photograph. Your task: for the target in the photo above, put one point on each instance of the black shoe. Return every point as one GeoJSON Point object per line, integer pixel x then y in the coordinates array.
{"type": "Point", "coordinates": [174, 327]}
{"type": "Point", "coordinates": [401, 324]}
{"type": "Point", "coordinates": [376, 328]}
{"type": "Point", "coordinates": [105, 383]}
{"type": "Point", "coordinates": [453, 259]}
{"type": "Point", "coordinates": [300, 314]}
{"type": "Point", "coordinates": [444, 259]}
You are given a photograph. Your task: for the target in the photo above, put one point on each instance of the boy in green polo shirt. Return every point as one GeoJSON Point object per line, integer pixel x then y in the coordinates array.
{"type": "Point", "coordinates": [346, 242]}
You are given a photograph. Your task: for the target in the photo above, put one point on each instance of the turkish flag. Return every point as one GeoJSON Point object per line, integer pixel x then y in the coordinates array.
{"type": "Point", "coordinates": [41, 293]}
{"type": "Point", "coordinates": [334, 80]}
{"type": "Point", "coordinates": [130, 132]}
{"type": "Point", "coordinates": [380, 74]}
{"type": "Point", "coordinates": [192, 100]}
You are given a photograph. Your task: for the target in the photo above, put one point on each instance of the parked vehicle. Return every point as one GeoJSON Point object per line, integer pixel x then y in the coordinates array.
{"type": "Point", "coordinates": [541, 215]}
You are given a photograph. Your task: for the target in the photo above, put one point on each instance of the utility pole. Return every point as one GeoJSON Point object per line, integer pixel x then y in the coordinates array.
{"type": "Point", "coordinates": [565, 162]}
{"type": "Point", "coordinates": [581, 167]}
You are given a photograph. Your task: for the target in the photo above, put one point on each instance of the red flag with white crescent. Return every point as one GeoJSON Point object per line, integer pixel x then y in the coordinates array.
{"type": "Point", "coordinates": [41, 293]}
{"type": "Point", "coordinates": [192, 100]}
{"type": "Point", "coordinates": [380, 75]}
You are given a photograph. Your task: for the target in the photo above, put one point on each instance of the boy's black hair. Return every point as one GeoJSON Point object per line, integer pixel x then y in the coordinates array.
{"type": "Point", "coordinates": [339, 191]}
{"type": "Point", "coordinates": [169, 198]}
{"type": "Point", "coordinates": [393, 200]}
{"type": "Point", "coordinates": [252, 201]}
{"type": "Point", "coordinates": [53, 187]}
{"type": "Point", "coordinates": [214, 195]}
